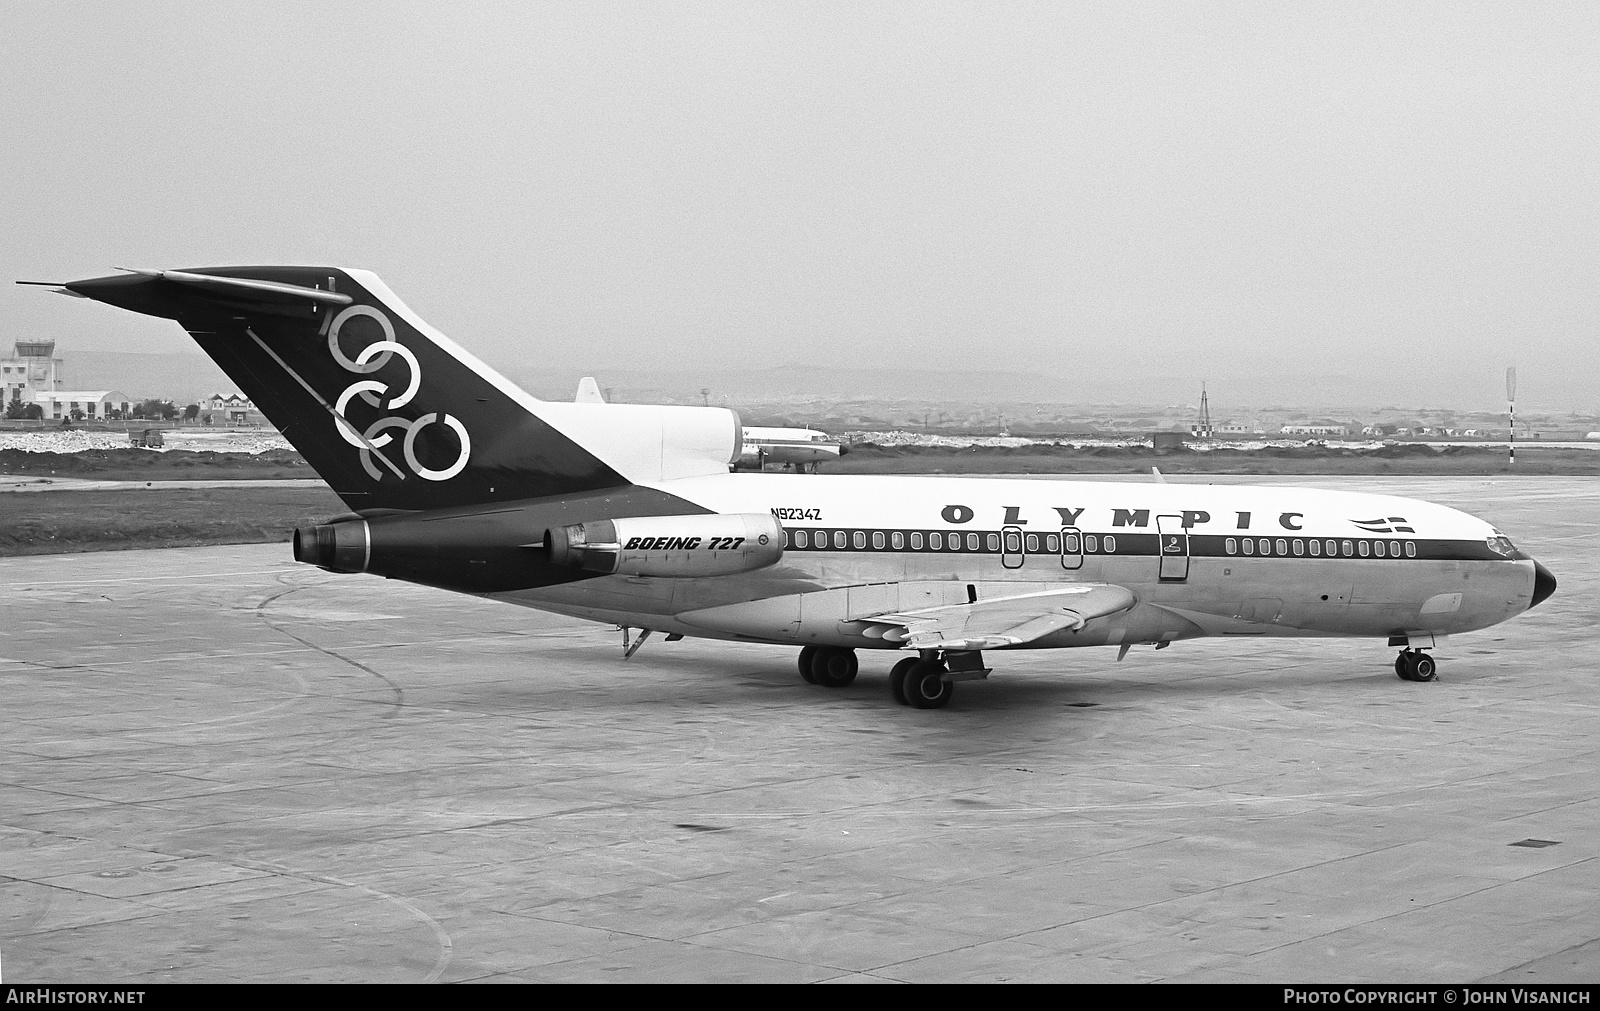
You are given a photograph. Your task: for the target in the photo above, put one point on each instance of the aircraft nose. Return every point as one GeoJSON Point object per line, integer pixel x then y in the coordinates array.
{"type": "Point", "coordinates": [1544, 584]}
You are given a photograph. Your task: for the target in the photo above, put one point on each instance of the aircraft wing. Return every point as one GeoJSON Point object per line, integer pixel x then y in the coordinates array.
{"type": "Point", "coordinates": [1007, 621]}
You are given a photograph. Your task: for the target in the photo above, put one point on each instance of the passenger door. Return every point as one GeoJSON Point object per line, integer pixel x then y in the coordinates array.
{"type": "Point", "coordinates": [1174, 548]}
{"type": "Point", "coordinates": [1071, 548]}
{"type": "Point", "coordinates": [1011, 553]}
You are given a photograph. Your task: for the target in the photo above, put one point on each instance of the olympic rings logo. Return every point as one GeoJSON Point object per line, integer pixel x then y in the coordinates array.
{"type": "Point", "coordinates": [372, 358]}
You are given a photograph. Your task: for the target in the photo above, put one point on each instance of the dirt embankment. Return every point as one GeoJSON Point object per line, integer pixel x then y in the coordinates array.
{"type": "Point", "coordinates": [52, 522]}
{"type": "Point", "coordinates": [144, 465]}
{"type": "Point", "coordinates": [49, 522]}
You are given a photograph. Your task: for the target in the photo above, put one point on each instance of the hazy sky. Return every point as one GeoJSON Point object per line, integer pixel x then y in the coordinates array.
{"type": "Point", "coordinates": [1396, 200]}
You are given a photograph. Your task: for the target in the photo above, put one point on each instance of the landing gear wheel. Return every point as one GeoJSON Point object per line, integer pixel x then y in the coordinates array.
{"type": "Point", "coordinates": [925, 686]}
{"type": "Point", "coordinates": [806, 655]}
{"type": "Point", "coordinates": [1415, 665]}
{"type": "Point", "coordinates": [897, 678]}
{"type": "Point", "coordinates": [1423, 668]}
{"type": "Point", "coordinates": [833, 667]}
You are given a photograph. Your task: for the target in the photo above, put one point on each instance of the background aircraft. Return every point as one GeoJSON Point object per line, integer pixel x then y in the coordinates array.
{"type": "Point", "coordinates": [797, 448]}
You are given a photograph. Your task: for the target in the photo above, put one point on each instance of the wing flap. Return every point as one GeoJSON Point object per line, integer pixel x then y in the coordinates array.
{"type": "Point", "coordinates": [1008, 621]}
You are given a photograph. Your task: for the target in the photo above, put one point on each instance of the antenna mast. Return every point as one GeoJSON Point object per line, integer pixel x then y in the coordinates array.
{"type": "Point", "coordinates": [1203, 429]}
{"type": "Point", "coordinates": [1511, 402]}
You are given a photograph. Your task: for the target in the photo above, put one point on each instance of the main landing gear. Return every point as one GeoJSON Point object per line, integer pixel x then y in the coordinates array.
{"type": "Point", "coordinates": [829, 666]}
{"type": "Point", "coordinates": [922, 682]}
{"type": "Point", "coordinates": [1415, 665]}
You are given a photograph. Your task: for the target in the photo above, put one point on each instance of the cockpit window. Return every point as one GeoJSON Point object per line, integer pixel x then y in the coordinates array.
{"type": "Point", "coordinates": [1501, 544]}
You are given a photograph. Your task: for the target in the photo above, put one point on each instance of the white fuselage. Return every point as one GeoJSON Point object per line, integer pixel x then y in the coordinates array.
{"type": "Point", "coordinates": [1200, 560]}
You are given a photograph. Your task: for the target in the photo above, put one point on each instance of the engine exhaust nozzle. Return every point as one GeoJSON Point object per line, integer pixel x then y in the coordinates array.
{"type": "Point", "coordinates": [338, 547]}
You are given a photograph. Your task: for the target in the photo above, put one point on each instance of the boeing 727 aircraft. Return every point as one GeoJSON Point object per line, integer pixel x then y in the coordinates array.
{"type": "Point", "coordinates": [790, 447]}
{"type": "Point", "coordinates": [627, 514]}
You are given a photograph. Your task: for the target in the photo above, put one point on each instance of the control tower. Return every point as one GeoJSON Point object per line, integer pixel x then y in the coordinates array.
{"type": "Point", "coordinates": [32, 368]}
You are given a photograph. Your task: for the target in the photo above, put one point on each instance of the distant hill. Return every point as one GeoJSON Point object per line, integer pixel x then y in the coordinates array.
{"type": "Point", "coordinates": [890, 384]}
{"type": "Point", "coordinates": [887, 388]}
{"type": "Point", "coordinates": [994, 380]}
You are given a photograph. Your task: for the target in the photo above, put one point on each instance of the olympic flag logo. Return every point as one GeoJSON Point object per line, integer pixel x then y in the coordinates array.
{"type": "Point", "coordinates": [373, 392]}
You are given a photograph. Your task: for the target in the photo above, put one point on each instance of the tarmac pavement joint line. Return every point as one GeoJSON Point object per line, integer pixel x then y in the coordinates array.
{"type": "Point", "coordinates": [261, 611]}
{"type": "Point", "coordinates": [446, 945]}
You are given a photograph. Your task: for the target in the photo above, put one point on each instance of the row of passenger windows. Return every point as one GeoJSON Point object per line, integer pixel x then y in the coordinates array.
{"type": "Point", "coordinates": [1329, 548]}
{"type": "Point", "coordinates": [896, 540]}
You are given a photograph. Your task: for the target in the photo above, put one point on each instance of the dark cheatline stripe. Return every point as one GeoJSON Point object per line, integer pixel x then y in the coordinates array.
{"type": "Point", "coordinates": [1134, 544]}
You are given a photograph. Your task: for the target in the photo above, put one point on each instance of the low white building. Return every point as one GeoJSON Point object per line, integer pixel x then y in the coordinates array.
{"type": "Point", "coordinates": [95, 404]}
{"type": "Point", "coordinates": [232, 409]}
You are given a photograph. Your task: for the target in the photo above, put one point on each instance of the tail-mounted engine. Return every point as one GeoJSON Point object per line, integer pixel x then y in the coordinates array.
{"type": "Point", "coordinates": [716, 545]}
{"type": "Point", "coordinates": [494, 548]}
{"type": "Point", "coordinates": [343, 546]}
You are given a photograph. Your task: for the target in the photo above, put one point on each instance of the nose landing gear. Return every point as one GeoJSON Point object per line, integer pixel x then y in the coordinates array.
{"type": "Point", "coordinates": [1415, 665]}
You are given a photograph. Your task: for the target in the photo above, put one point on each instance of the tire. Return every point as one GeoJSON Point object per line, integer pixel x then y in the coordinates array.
{"type": "Point", "coordinates": [897, 678]}
{"type": "Point", "coordinates": [806, 655]}
{"type": "Point", "coordinates": [1400, 667]}
{"type": "Point", "coordinates": [833, 667]}
{"type": "Point", "coordinates": [1424, 669]}
{"type": "Point", "coordinates": [926, 687]}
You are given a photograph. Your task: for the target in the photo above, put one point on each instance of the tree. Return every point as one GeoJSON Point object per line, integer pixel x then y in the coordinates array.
{"type": "Point", "coordinates": [17, 410]}
{"type": "Point", "coordinates": [153, 408]}
{"type": "Point", "coordinates": [191, 412]}
{"type": "Point", "coordinates": [77, 414]}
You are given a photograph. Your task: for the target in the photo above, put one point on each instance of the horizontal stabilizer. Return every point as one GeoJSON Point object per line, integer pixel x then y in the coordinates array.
{"type": "Point", "coordinates": [1008, 621]}
{"type": "Point", "coordinates": [59, 287]}
{"type": "Point", "coordinates": [246, 288]}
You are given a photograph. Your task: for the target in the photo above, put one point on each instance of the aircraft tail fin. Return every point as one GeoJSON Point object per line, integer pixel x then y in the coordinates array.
{"type": "Point", "coordinates": [390, 412]}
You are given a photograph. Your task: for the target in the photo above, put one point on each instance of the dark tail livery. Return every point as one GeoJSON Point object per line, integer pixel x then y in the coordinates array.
{"type": "Point", "coordinates": [390, 413]}
{"type": "Point", "coordinates": [409, 429]}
